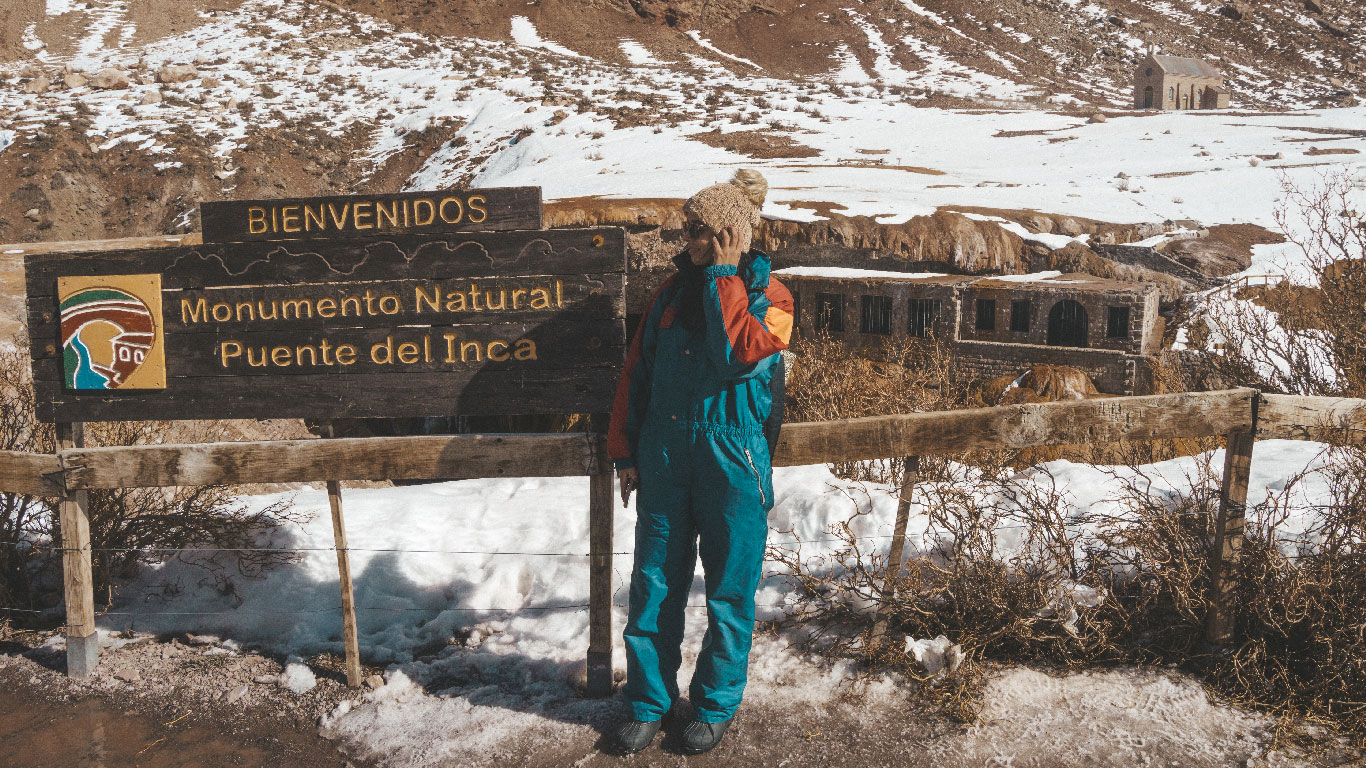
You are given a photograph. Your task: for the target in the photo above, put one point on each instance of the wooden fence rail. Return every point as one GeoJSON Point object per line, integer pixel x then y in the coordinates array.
{"type": "Point", "coordinates": [444, 457]}
{"type": "Point", "coordinates": [1337, 420]}
{"type": "Point", "coordinates": [1240, 415]}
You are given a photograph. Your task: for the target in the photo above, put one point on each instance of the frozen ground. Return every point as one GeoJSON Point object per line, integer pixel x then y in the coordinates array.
{"type": "Point", "coordinates": [474, 593]}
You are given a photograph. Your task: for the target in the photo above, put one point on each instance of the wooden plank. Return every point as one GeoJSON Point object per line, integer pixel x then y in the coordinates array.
{"type": "Point", "coordinates": [580, 390]}
{"type": "Point", "coordinates": [357, 216]}
{"type": "Point", "coordinates": [78, 580]}
{"type": "Point", "coordinates": [265, 308]}
{"type": "Point", "coordinates": [599, 250]}
{"type": "Point", "coordinates": [1148, 417]}
{"type": "Point", "coordinates": [512, 346]}
{"type": "Point", "coordinates": [348, 593]}
{"type": "Point", "coordinates": [86, 246]}
{"type": "Point", "coordinates": [903, 516]}
{"type": "Point", "coordinates": [1336, 420]}
{"type": "Point", "coordinates": [360, 458]}
{"type": "Point", "coordinates": [429, 302]}
{"type": "Point", "coordinates": [600, 524]}
{"type": "Point", "coordinates": [30, 474]}
{"type": "Point", "coordinates": [350, 636]}
{"type": "Point", "coordinates": [1228, 538]}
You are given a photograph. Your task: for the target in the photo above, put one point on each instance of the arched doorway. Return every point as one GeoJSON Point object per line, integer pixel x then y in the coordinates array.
{"type": "Point", "coordinates": [1067, 324]}
{"type": "Point", "coordinates": [1148, 97]}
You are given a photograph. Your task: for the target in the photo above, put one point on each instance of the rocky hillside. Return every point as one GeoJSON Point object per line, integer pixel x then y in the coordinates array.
{"type": "Point", "coordinates": [871, 119]}
{"type": "Point", "coordinates": [1277, 53]}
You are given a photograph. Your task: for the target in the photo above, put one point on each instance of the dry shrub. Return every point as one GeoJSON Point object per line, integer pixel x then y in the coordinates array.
{"type": "Point", "coordinates": [831, 381]}
{"type": "Point", "coordinates": [1003, 572]}
{"type": "Point", "coordinates": [23, 519]}
{"type": "Point", "coordinates": [129, 527]}
{"type": "Point", "coordinates": [1302, 638]}
{"type": "Point", "coordinates": [1302, 340]}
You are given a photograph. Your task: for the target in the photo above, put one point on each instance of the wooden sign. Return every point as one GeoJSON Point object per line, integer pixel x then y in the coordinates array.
{"type": "Point", "coordinates": [496, 208]}
{"type": "Point", "coordinates": [489, 323]}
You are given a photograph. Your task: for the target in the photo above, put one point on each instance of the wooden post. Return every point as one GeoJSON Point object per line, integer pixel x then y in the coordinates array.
{"type": "Point", "coordinates": [82, 642]}
{"type": "Point", "coordinates": [348, 597]}
{"type": "Point", "coordinates": [600, 522]}
{"type": "Point", "coordinates": [903, 516]}
{"type": "Point", "coordinates": [1228, 534]}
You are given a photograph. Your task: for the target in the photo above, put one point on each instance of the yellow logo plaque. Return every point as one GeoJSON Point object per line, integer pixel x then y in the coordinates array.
{"type": "Point", "coordinates": [111, 332]}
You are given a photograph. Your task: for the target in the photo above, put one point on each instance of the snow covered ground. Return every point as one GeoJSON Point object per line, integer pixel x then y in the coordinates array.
{"type": "Point", "coordinates": [474, 594]}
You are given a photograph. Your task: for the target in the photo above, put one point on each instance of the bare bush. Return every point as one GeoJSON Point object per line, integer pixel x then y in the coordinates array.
{"type": "Point", "coordinates": [1306, 339]}
{"type": "Point", "coordinates": [1007, 566]}
{"type": "Point", "coordinates": [832, 381]}
{"type": "Point", "coordinates": [23, 519]}
{"type": "Point", "coordinates": [129, 527]}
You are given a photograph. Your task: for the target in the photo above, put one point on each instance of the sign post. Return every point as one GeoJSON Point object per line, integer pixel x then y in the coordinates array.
{"type": "Point", "coordinates": [324, 308]}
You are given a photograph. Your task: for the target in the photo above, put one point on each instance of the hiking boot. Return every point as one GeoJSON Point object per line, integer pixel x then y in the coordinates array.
{"type": "Point", "coordinates": [637, 735]}
{"type": "Point", "coordinates": [700, 737]}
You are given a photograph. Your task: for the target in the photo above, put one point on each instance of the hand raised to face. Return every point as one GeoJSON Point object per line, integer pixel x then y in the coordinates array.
{"type": "Point", "coordinates": [726, 245]}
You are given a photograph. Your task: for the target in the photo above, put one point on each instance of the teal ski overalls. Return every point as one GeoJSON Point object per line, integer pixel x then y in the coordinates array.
{"type": "Point", "coordinates": [689, 414]}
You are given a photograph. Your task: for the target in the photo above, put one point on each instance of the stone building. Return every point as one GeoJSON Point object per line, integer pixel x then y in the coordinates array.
{"type": "Point", "coordinates": [1177, 82]}
{"type": "Point", "coordinates": [994, 325]}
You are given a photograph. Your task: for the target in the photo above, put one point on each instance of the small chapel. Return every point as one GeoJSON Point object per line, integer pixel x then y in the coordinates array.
{"type": "Point", "coordinates": [1178, 82]}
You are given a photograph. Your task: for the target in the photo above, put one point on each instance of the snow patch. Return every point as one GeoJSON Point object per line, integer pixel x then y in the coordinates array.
{"type": "Point", "coordinates": [298, 678]}
{"type": "Point", "coordinates": [1032, 277]}
{"type": "Point", "coordinates": [850, 272]}
{"type": "Point", "coordinates": [850, 70]}
{"type": "Point", "coordinates": [31, 41]}
{"type": "Point", "coordinates": [1046, 239]}
{"type": "Point", "coordinates": [524, 34]}
{"type": "Point", "coordinates": [921, 10]}
{"type": "Point", "coordinates": [887, 69]}
{"type": "Point", "coordinates": [705, 43]}
{"type": "Point", "coordinates": [638, 54]}
{"type": "Point", "coordinates": [1102, 717]}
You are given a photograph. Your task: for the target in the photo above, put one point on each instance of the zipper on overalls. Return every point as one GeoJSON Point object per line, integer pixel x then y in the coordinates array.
{"type": "Point", "coordinates": [757, 479]}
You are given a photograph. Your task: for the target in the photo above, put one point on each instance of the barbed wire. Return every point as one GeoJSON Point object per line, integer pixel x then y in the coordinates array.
{"type": "Point", "coordinates": [301, 549]}
{"type": "Point", "coordinates": [395, 550]}
{"type": "Point", "coordinates": [334, 609]}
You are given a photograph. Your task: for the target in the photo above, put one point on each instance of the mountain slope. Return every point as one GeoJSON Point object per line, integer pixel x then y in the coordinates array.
{"type": "Point", "coordinates": [1277, 53]}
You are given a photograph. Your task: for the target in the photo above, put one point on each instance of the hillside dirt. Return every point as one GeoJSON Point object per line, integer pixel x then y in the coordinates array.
{"type": "Point", "coordinates": [1225, 250]}
{"type": "Point", "coordinates": [155, 20]}
{"type": "Point", "coordinates": [798, 38]}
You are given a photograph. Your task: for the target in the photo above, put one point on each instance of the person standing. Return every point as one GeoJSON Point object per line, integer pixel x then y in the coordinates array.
{"type": "Point", "coordinates": [687, 431]}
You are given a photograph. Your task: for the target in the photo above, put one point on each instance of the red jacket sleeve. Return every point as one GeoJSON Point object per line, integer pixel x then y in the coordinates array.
{"type": "Point", "coordinates": [744, 328]}
{"type": "Point", "coordinates": [633, 388]}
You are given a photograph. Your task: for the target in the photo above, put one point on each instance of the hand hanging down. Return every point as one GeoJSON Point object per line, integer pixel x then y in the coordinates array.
{"type": "Point", "coordinates": [630, 481]}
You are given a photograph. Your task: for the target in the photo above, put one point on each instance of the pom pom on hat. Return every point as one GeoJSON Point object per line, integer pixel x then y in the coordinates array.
{"type": "Point", "coordinates": [733, 204]}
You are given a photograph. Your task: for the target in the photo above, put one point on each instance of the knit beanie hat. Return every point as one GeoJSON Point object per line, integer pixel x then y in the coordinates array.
{"type": "Point", "coordinates": [733, 204]}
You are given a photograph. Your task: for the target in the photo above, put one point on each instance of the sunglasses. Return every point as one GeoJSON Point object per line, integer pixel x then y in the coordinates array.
{"type": "Point", "coordinates": [694, 229]}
